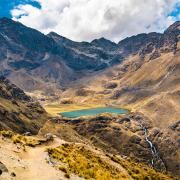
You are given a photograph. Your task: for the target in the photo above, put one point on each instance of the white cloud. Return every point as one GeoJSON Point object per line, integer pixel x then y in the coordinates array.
{"type": "Point", "coordinates": [85, 20]}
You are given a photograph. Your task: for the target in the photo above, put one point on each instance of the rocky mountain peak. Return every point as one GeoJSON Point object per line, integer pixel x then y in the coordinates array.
{"type": "Point", "coordinates": [174, 28]}
{"type": "Point", "coordinates": [61, 40]}
{"type": "Point", "coordinates": [7, 21]}
{"type": "Point", "coordinates": [103, 42]}
{"type": "Point", "coordinates": [29, 38]}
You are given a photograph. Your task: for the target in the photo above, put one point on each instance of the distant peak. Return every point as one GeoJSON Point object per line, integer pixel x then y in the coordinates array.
{"type": "Point", "coordinates": [102, 41]}
{"type": "Point", "coordinates": [52, 34]}
{"type": "Point", "coordinates": [5, 19]}
{"type": "Point", "coordinates": [175, 26]}
{"type": "Point", "coordinates": [56, 35]}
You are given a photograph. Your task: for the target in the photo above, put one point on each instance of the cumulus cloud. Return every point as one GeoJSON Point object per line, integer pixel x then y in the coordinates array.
{"type": "Point", "coordinates": [85, 20]}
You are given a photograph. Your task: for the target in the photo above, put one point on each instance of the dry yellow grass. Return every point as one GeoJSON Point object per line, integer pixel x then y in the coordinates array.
{"type": "Point", "coordinates": [21, 139]}
{"type": "Point", "coordinates": [55, 109]}
{"type": "Point", "coordinates": [83, 162]}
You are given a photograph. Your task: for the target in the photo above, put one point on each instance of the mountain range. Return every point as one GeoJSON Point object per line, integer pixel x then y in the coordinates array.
{"type": "Point", "coordinates": [33, 60]}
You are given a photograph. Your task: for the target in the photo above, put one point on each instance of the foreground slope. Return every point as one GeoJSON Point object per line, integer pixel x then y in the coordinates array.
{"type": "Point", "coordinates": [58, 159]}
{"type": "Point", "coordinates": [18, 111]}
{"type": "Point", "coordinates": [132, 136]}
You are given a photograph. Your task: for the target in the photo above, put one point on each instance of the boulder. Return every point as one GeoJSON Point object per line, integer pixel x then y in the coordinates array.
{"type": "Point", "coordinates": [49, 137]}
{"type": "Point", "coordinates": [3, 168]}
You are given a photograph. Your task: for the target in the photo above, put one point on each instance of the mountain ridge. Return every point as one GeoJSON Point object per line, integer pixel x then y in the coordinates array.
{"type": "Point", "coordinates": [19, 54]}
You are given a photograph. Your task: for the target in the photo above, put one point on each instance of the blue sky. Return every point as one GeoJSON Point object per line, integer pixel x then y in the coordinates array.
{"type": "Point", "coordinates": [91, 19]}
{"type": "Point", "coordinates": [176, 12]}
{"type": "Point", "coordinates": [7, 5]}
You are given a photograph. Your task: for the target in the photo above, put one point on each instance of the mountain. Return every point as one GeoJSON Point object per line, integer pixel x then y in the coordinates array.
{"type": "Point", "coordinates": [22, 61]}
{"type": "Point", "coordinates": [93, 56]}
{"type": "Point", "coordinates": [19, 112]}
{"type": "Point", "coordinates": [63, 61]}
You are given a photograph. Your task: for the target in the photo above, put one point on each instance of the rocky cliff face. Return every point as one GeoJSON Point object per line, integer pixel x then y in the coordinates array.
{"type": "Point", "coordinates": [18, 111]}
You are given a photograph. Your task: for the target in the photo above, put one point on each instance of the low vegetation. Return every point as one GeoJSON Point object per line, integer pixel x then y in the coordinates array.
{"type": "Point", "coordinates": [83, 162]}
{"type": "Point", "coordinates": [54, 109]}
{"type": "Point", "coordinates": [140, 171]}
{"type": "Point", "coordinates": [21, 139]}
{"type": "Point", "coordinates": [79, 160]}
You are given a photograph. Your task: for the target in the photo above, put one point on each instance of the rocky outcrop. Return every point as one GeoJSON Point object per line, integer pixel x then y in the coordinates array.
{"type": "Point", "coordinates": [175, 126]}
{"type": "Point", "coordinates": [110, 85]}
{"type": "Point", "coordinates": [11, 92]}
{"type": "Point", "coordinates": [3, 168]}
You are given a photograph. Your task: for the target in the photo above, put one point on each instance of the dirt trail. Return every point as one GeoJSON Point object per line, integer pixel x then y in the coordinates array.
{"type": "Point", "coordinates": [38, 168]}
{"type": "Point", "coordinates": [32, 164]}
{"type": "Point", "coordinates": [29, 165]}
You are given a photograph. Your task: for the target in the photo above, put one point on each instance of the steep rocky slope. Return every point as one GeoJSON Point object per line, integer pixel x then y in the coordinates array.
{"type": "Point", "coordinates": [18, 111]}
{"type": "Point", "coordinates": [25, 53]}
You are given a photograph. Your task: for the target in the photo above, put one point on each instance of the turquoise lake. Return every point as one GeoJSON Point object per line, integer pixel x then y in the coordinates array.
{"type": "Point", "coordinates": [92, 112]}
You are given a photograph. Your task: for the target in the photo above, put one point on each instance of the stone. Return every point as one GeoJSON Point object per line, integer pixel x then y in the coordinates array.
{"type": "Point", "coordinates": [13, 174]}
{"type": "Point", "coordinates": [49, 137]}
{"type": "Point", "coordinates": [3, 168]}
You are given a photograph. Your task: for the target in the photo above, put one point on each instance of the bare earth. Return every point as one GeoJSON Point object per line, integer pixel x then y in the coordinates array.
{"type": "Point", "coordinates": [29, 165]}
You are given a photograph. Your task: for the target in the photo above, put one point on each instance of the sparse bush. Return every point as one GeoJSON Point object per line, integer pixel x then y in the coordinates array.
{"type": "Point", "coordinates": [110, 85]}
{"type": "Point", "coordinates": [7, 134]}
{"type": "Point", "coordinates": [24, 140]}
{"type": "Point", "coordinates": [67, 175]}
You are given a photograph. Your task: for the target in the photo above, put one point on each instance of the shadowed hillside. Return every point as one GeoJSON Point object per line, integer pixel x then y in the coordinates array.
{"type": "Point", "coordinates": [18, 111]}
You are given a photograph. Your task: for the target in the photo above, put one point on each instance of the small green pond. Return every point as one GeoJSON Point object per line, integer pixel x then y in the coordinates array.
{"type": "Point", "coordinates": [92, 112]}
